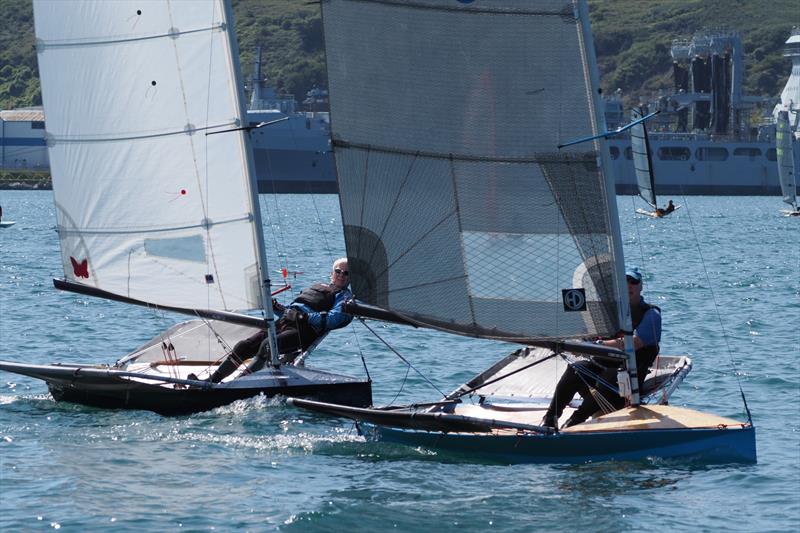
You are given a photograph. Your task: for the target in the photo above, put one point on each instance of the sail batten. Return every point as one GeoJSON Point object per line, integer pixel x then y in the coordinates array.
{"type": "Point", "coordinates": [149, 229]}
{"type": "Point", "coordinates": [550, 157]}
{"type": "Point", "coordinates": [147, 205]}
{"type": "Point", "coordinates": [102, 138]}
{"type": "Point", "coordinates": [462, 213]}
{"type": "Point", "coordinates": [42, 44]}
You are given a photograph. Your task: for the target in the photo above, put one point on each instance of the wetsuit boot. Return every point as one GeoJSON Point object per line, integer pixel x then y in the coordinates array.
{"type": "Point", "coordinates": [224, 370]}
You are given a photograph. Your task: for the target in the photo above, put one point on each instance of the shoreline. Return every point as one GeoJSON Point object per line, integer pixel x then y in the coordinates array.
{"type": "Point", "coordinates": [25, 180]}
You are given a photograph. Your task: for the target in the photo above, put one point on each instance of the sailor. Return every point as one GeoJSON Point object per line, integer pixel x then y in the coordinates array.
{"type": "Point", "coordinates": [590, 377]}
{"type": "Point", "coordinates": [317, 310]}
{"type": "Point", "coordinates": [665, 211]}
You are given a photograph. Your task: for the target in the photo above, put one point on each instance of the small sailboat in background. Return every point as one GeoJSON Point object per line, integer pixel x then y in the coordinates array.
{"type": "Point", "coordinates": [5, 223]}
{"type": "Point", "coordinates": [643, 168]}
{"type": "Point", "coordinates": [481, 220]}
{"type": "Point", "coordinates": [156, 201]}
{"type": "Point", "coordinates": [787, 173]}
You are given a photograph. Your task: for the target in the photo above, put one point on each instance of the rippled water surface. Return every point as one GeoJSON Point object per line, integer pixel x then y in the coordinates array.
{"type": "Point", "coordinates": [725, 271]}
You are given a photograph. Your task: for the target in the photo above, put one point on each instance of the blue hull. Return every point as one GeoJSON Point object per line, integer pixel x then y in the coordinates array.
{"type": "Point", "coordinates": [731, 445]}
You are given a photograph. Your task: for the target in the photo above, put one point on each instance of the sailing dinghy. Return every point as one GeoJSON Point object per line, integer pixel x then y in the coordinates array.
{"type": "Point", "coordinates": [7, 223]}
{"type": "Point", "coordinates": [465, 216]}
{"type": "Point", "coordinates": [787, 173]}
{"type": "Point", "coordinates": [156, 201]}
{"type": "Point", "coordinates": [643, 167]}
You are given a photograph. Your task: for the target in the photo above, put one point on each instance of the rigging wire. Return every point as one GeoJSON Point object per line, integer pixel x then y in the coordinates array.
{"type": "Point", "coordinates": [322, 229]}
{"type": "Point", "coordinates": [500, 378]}
{"type": "Point", "coordinates": [734, 364]}
{"type": "Point", "coordinates": [406, 361]}
{"type": "Point", "coordinates": [402, 385]}
{"type": "Point", "coordinates": [361, 353]}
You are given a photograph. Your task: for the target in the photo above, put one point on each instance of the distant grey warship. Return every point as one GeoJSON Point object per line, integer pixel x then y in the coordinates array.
{"type": "Point", "coordinates": [703, 142]}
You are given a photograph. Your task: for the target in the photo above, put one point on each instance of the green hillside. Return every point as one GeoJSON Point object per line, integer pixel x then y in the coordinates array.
{"type": "Point", "coordinates": [632, 37]}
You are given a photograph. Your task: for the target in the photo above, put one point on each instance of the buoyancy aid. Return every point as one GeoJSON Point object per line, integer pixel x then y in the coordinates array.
{"type": "Point", "coordinates": [319, 297]}
{"type": "Point", "coordinates": [638, 312]}
{"type": "Point", "coordinates": [646, 354]}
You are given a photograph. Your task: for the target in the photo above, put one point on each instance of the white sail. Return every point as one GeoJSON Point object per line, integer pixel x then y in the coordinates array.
{"type": "Point", "coordinates": [785, 153]}
{"type": "Point", "coordinates": [642, 164]}
{"type": "Point", "coordinates": [461, 213]}
{"type": "Point", "coordinates": [148, 205]}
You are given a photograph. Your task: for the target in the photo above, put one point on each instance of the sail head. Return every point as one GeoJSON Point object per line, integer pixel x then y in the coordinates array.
{"type": "Point", "coordinates": [460, 213]}
{"type": "Point", "coordinates": [148, 206]}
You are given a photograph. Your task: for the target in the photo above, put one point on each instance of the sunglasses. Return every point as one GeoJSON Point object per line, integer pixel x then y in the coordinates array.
{"type": "Point", "coordinates": [342, 272]}
{"type": "Point", "coordinates": [633, 281]}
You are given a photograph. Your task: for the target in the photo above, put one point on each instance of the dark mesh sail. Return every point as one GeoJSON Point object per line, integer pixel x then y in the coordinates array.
{"type": "Point", "coordinates": [460, 212]}
{"type": "Point", "coordinates": [640, 146]}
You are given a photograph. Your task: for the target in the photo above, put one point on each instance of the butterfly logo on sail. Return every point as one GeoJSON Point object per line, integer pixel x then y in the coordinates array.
{"type": "Point", "coordinates": [81, 269]}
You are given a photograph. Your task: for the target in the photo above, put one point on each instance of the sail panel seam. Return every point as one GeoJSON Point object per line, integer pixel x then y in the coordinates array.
{"type": "Point", "coordinates": [415, 243]}
{"type": "Point", "coordinates": [88, 231]}
{"type": "Point", "coordinates": [42, 44]}
{"type": "Point", "coordinates": [539, 157]}
{"type": "Point", "coordinates": [464, 265]}
{"type": "Point", "coordinates": [52, 139]}
{"type": "Point", "coordinates": [565, 13]}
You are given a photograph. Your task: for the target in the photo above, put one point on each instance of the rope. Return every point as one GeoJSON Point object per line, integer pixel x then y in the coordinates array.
{"type": "Point", "coordinates": [734, 364]}
{"type": "Point", "coordinates": [500, 378]}
{"type": "Point", "coordinates": [406, 361]}
{"type": "Point", "coordinates": [361, 353]}
{"type": "Point", "coordinates": [582, 371]}
{"type": "Point", "coordinates": [602, 402]}
{"type": "Point", "coordinates": [402, 385]}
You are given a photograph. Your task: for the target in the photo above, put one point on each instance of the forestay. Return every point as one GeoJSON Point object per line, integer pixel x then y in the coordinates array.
{"type": "Point", "coordinates": [459, 212]}
{"type": "Point", "coordinates": [786, 170]}
{"type": "Point", "coordinates": [642, 164]}
{"type": "Point", "coordinates": [148, 206]}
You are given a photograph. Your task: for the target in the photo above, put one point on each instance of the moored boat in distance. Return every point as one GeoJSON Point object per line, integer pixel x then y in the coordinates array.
{"type": "Point", "coordinates": [703, 141]}
{"type": "Point", "coordinates": [292, 155]}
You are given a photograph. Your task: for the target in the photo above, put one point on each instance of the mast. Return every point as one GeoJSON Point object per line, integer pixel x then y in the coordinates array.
{"type": "Point", "coordinates": [264, 281]}
{"type": "Point", "coordinates": [255, 82]}
{"type": "Point", "coordinates": [624, 310]}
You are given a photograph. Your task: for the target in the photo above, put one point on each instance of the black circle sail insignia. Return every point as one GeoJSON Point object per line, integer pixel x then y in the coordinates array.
{"type": "Point", "coordinates": [574, 299]}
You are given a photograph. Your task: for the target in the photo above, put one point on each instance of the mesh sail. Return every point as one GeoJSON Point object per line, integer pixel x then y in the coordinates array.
{"type": "Point", "coordinates": [147, 205]}
{"type": "Point", "coordinates": [460, 212]}
{"type": "Point", "coordinates": [642, 165]}
{"type": "Point", "coordinates": [785, 154]}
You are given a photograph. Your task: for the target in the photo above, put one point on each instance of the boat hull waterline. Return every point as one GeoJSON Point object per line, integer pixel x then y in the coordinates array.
{"type": "Point", "coordinates": [104, 387]}
{"type": "Point", "coordinates": [579, 444]}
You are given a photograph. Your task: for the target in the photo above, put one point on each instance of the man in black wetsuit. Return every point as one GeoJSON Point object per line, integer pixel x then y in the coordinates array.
{"type": "Point", "coordinates": [584, 376]}
{"type": "Point", "coordinates": [317, 310]}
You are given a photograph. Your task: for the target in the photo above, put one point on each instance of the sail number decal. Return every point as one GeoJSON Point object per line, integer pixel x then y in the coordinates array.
{"type": "Point", "coordinates": [574, 299]}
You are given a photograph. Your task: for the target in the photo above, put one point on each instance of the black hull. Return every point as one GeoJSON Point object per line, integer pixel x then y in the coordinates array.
{"type": "Point", "coordinates": [108, 389]}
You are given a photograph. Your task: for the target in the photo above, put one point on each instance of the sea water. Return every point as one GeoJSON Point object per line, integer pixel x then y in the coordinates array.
{"type": "Point", "coordinates": [725, 271]}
